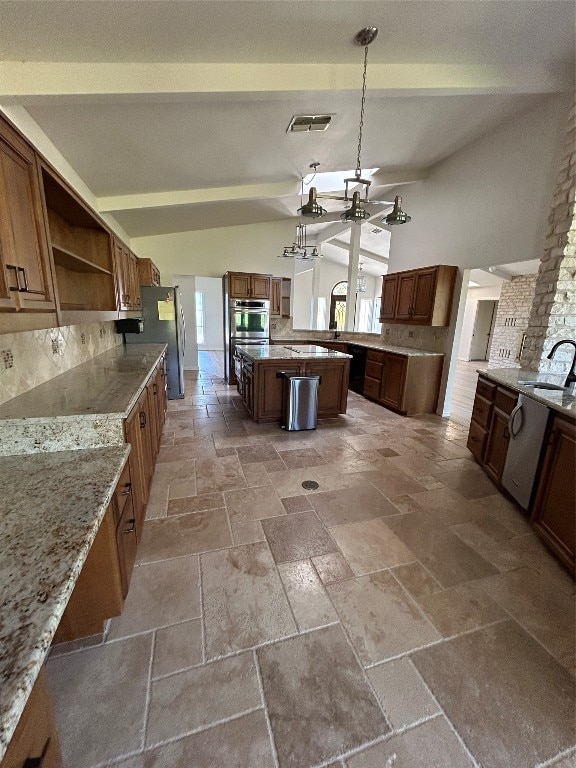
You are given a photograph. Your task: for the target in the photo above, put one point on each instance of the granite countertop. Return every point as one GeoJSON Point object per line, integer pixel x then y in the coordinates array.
{"type": "Point", "coordinates": [108, 384]}
{"type": "Point", "coordinates": [274, 352]}
{"type": "Point", "coordinates": [52, 507]}
{"type": "Point", "coordinates": [562, 401]}
{"type": "Point", "coordinates": [409, 352]}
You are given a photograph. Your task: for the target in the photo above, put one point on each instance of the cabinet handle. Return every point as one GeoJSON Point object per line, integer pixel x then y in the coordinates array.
{"type": "Point", "coordinates": [11, 266]}
{"type": "Point", "coordinates": [155, 388]}
{"type": "Point", "coordinates": [36, 762]}
{"type": "Point", "coordinates": [506, 432]}
{"type": "Point", "coordinates": [132, 522]}
{"type": "Point", "coordinates": [25, 289]}
{"type": "Point", "coordinates": [128, 490]}
{"type": "Point", "coordinates": [142, 419]}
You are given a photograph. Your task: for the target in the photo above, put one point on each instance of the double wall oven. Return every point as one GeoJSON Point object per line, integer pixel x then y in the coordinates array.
{"type": "Point", "coordinates": [248, 323]}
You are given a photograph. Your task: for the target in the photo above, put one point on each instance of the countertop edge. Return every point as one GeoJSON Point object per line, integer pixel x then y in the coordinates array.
{"type": "Point", "coordinates": [382, 347]}
{"type": "Point", "coordinates": [506, 379]}
{"type": "Point", "coordinates": [17, 691]}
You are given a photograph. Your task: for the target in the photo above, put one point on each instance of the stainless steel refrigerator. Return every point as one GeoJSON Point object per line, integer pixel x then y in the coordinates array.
{"type": "Point", "coordinates": [164, 323]}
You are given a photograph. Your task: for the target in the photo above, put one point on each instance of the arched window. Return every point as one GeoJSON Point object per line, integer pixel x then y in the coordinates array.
{"type": "Point", "coordinates": [338, 306]}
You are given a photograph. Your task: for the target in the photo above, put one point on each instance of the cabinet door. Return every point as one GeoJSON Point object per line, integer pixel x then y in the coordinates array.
{"type": "Point", "coordinates": [389, 291]}
{"type": "Point", "coordinates": [275, 308]}
{"type": "Point", "coordinates": [239, 285]}
{"type": "Point", "coordinates": [286, 294]}
{"type": "Point", "coordinates": [126, 544]}
{"type": "Point", "coordinates": [248, 390]}
{"type": "Point", "coordinates": [333, 389]}
{"type": "Point", "coordinates": [423, 295]}
{"type": "Point", "coordinates": [476, 441]}
{"type": "Point", "coordinates": [135, 302]}
{"type": "Point", "coordinates": [496, 445]}
{"type": "Point", "coordinates": [553, 515]}
{"type": "Point", "coordinates": [393, 380]}
{"type": "Point", "coordinates": [139, 459]}
{"type": "Point", "coordinates": [260, 286]}
{"type": "Point", "coordinates": [404, 308]}
{"type": "Point", "coordinates": [25, 279]}
{"type": "Point", "coordinates": [35, 740]}
{"type": "Point", "coordinates": [121, 276]}
{"type": "Point", "coordinates": [151, 396]}
{"type": "Point", "coordinates": [269, 389]}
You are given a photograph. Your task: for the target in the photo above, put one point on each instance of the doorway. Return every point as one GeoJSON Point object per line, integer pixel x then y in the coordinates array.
{"type": "Point", "coordinates": [483, 329]}
{"type": "Point", "coordinates": [338, 306]}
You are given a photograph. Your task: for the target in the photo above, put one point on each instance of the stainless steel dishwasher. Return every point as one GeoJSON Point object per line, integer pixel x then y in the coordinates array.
{"type": "Point", "coordinates": [527, 425]}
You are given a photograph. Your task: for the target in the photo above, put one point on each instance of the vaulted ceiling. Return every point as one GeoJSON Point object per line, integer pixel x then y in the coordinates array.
{"type": "Point", "coordinates": [175, 113]}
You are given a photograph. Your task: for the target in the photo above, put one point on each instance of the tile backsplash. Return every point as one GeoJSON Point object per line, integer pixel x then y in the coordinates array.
{"type": "Point", "coordinates": [30, 358]}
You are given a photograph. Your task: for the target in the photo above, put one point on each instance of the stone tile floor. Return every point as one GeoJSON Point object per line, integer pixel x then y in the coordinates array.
{"type": "Point", "coordinates": [403, 614]}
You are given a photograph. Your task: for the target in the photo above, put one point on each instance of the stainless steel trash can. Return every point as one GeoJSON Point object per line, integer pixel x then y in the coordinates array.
{"type": "Point", "coordinates": [300, 402]}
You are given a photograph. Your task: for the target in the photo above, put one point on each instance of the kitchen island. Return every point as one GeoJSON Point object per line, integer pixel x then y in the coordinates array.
{"type": "Point", "coordinates": [259, 372]}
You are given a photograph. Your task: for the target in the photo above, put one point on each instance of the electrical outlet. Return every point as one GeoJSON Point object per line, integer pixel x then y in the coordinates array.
{"type": "Point", "coordinates": [8, 358]}
{"type": "Point", "coordinates": [410, 334]}
{"type": "Point", "coordinates": [101, 333]}
{"type": "Point", "coordinates": [82, 338]}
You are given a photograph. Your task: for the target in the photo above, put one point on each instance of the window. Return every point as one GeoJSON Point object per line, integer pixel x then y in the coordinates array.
{"type": "Point", "coordinates": [365, 321]}
{"type": "Point", "coordinates": [376, 324]}
{"type": "Point", "coordinates": [200, 317]}
{"type": "Point", "coordinates": [338, 306]}
{"type": "Point", "coordinates": [321, 319]}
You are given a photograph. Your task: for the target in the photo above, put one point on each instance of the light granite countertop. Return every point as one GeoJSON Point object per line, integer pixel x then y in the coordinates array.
{"type": "Point", "coordinates": [562, 401]}
{"type": "Point", "coordinates": [409, 352]}
{"type": "Point", "coordinates": [83, 408]}
{"type": "Point", "coordinates": [258, 352]}
{"type": "Point", "coordinates": [52, 507]}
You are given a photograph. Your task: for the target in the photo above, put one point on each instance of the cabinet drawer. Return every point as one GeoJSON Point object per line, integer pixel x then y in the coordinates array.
{"type": "Point", "coordinates": [372, 388]}
{"type": "Point", "coordinates": [477, 440]}
{"type": "Point", "coordinates": [374, 370]}
{"type": "Point", "coordinates": [485, 388]}
{"type": "Point", "coordinates": [375, 356]}
{"type": "Point", "coordinates": [481, 411]}
{"type": "Point", "coordinates": [505, 400]}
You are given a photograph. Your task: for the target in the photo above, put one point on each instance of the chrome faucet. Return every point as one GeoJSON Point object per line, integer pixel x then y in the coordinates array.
{"type": "Point", "coordinates": [571, 378]}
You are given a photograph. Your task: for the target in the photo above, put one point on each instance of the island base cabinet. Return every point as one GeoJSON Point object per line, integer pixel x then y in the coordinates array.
{"type": "Point", "coordinates": [553, 513]}
{"type": "Point", "coordinates": [407, 384]}
{"type": "Point", "coordinates": [35, 740]}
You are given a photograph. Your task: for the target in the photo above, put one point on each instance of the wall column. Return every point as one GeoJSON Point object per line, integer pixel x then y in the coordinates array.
{"type": "Point", "coordinates": [553, 314]}
{"type": "Point", "coordinates": [315, 290]}
{"type": "Point", "coordinates": [353, 261]}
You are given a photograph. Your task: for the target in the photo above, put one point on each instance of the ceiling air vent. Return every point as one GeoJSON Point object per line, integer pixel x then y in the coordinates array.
{"type": "Point", "coordinates": [303, 123]}
{"type": "Point", "coordinates": [375, 231]}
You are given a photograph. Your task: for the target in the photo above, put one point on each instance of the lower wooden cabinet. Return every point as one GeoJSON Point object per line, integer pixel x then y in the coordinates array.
{"type": "Point", "coordinates": [553, 513]}
{"type": "Point", "coordinates": [408, 384]}
{"type": "Point", "coordinates": [35, 742]}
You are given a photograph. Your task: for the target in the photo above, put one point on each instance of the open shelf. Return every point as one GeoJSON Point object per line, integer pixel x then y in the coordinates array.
{"type": "Point", "coordinates": [66, 258]}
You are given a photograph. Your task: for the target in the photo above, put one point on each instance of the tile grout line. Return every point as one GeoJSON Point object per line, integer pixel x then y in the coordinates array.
{"type": "Point", "coordinates": [202, 620]}
{"type": "Point", "coordinates": [448, 720]}
{"type": "Point", "coordinates": [265, 709]}
{"type": "Point", "coordinates": [570, 751]}
{"type": "Point", "coordinates": [148, 691]}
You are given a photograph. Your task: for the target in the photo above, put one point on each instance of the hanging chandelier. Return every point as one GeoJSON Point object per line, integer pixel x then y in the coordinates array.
{"type": "Point", "coordinates": [300, 248]}
{"type": "Point", "coordinates": [358, 197]}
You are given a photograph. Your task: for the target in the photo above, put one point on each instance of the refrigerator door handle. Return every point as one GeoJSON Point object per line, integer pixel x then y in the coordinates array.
{"type": "Point", "coordinates": [183, 330]}
{"type": "Point", "coordinates": [517, 410]}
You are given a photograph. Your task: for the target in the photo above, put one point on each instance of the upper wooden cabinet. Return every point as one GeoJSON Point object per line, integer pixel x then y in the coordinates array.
{"type": "Point", "coordinates": [276, 297]}
{"type": "Point", "coordinates": [148, 272]}
{"type": "Point", "coordinates": [127, 276]}
{"type": "Point", "coordinates": [418, 296]}
{"type": "Point", "coordinates": [247, 285]}
{"type": "Point", "coordinates": [25, 271]}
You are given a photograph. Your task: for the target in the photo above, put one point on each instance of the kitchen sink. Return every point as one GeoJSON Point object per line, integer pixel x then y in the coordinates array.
{"type": "Point", "coordinates": [541, 385]}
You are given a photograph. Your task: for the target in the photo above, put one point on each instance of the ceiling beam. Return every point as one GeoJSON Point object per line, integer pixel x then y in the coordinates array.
{"type": "Point", "coordinates": [20, 79]}
{"type": "Point", "coordinates": [363, 251]}
{"type": "Point", "coordinates": [396, 177]}
{"type": "Point", "coordinates": [193, 196]}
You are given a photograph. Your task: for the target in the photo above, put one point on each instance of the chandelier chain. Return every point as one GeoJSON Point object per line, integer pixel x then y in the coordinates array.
{"type": "Point", "coordinates": [358, 170]}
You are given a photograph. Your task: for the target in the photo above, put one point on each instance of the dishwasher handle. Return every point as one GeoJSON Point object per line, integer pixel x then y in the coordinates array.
{"type": "Point", "coordinates": [511, 419]}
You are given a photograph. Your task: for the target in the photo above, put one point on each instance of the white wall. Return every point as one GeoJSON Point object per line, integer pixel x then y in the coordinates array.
{"type": "Point", "coordinates": [472, 299]}
{"type": "Point", "coordinates": [212, 252]}
{"type": "Point", "coordinates": [488, 203]}
{"type": "Point", "coordinates": [213, 312]}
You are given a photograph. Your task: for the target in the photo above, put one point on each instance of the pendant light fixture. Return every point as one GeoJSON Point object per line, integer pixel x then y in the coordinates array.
{"type": "Point", "coordinates": [300, 248]}
{"type": "Point", "coordinates": [397, 215]}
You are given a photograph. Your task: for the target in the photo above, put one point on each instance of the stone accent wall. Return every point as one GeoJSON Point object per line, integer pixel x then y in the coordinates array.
{"type": "Point", "coordinates": [553, 315]}
{"type": "Point", "coordinates": [30, 358]}
{"type": "Point", "coordinates": [512, 316]}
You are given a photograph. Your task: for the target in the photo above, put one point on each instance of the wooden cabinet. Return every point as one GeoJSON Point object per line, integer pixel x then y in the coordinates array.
{"type": "Point", "coordinates": [35, 741]}
{"type": "Point", "coordinates": [488, 436]}
{"type": "Point", "coordinates": [25, 271]}
{"type": "Point", "coordinates": [123, 509]}
{"type": "Point", "coordinates": [148, 272]}
{"type": "Point", "coordinates": [408, 384]}
{"type": "Point", "coordinates": [98, 594]}
{"type": "Point", "coordinates": [247, 285]}
{"type": "Point", "coordinates": [81, 249]}
{"type": "Point", "coordinates": [285, 298]}
{"type": "Point", "coordinates": [418, 296]}
{"type": "Point", "coordinates": [276, 297]}
{"type": "Point", "coordinates": [553, 513]}
{"type": "Point", "coordinates": [127, 277]}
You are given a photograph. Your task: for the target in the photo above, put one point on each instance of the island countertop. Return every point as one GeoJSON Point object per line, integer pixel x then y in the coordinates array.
{"type": "Point", "coordinates": [362, 342]}
{"type": "Point", "coordinates": [52, 507]}
{"type": "Point", "coordinates": [559, 400]}
{"type": "Point", "coordinates": [257, 352]}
